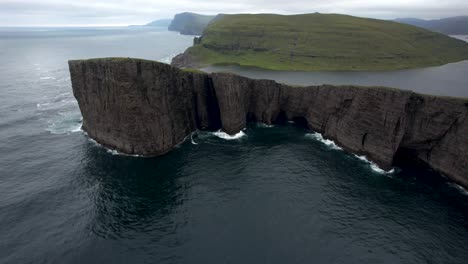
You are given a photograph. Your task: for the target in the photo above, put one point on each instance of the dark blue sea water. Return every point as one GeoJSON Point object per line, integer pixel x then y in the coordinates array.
{"type": "Point", "coordinates": [276, 195]}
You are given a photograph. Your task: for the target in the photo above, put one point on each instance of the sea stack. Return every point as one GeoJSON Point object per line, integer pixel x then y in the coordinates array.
{"type": "Point", "coordinates": [145, 108]}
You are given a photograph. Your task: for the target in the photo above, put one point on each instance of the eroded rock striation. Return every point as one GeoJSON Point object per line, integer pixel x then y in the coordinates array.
{"type": "Point", "coordinates": [146, 108]}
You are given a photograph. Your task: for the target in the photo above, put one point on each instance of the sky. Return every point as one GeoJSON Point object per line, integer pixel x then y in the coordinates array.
{"type": "Point", "coordinates": [135, 12]}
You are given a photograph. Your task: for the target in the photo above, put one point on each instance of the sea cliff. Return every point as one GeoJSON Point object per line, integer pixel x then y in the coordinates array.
{"type": "Point", "coordinates": [190, 23]}
{"type": "Point", "coordinates": [146, 108]}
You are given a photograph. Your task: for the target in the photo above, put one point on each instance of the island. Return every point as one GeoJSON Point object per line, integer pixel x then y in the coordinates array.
{"type": "Point", "coordinates": [145, 108]}
{"type": "Point", "coordinates": [319, 42]}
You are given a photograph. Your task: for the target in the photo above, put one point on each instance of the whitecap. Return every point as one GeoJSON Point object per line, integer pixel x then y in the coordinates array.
{"type": "Point", "coordinates": [47, 78]}
{"type": "Point", "coordinates": [330, 143]}
{"type": "Point", "coordinates": [374, 166]}
{"type": "Point", "coordinates": [226, 136]}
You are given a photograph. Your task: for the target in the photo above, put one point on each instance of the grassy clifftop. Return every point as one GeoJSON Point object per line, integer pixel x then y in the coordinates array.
{"type": "Point", "coordinates": [322, 42]}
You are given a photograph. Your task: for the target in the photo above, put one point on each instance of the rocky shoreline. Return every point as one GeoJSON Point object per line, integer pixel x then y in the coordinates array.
{"type": "Point", "coordinates": [146, 108]}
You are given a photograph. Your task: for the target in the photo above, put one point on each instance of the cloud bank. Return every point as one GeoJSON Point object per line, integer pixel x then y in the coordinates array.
{"type": "Point", "coordinates": [124, 12]}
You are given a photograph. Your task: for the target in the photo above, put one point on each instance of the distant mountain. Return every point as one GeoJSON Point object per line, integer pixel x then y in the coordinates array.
{"type": "Point", "coordinates": [157, 23]}
{"type": "Point", "coordinates": [190, 23]}
{"type": "Point", "coordinates": [450, 26]}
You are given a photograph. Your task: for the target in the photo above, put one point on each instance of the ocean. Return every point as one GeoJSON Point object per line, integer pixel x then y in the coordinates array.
{"type": "Point", "coordinates": [275, 194]}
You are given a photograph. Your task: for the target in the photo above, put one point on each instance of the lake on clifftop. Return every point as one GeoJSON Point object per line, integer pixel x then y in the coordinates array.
{"type": "Point", "coordinates": [277, 194]}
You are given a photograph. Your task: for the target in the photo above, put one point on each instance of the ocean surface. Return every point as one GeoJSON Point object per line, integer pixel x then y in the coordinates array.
{"type": "Point", "coordinates": [276, 194]}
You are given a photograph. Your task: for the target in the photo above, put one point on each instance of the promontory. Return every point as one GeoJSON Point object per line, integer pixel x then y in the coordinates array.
{"type": "Point", "coordinates": [319, 42]}
{"type": "Point", "coordinates": [146, 108]}
{"type": "Point", "coordinates": [190, 23]}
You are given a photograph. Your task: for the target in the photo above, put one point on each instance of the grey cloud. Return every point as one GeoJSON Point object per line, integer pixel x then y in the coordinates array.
{"type": "Point", "coordinates": [58, 12]}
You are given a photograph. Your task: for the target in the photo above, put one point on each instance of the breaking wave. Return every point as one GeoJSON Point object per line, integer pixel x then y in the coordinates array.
{"type": "Point", "coordinates": [192, 140]}
{"type": "Point", "coordinates": [226, 136]}
{"type": "Point", "coordinates": [374, 166]}
{"type": "Point", "coordinates": [108, 150]}
{"type": "Point", "coordinates": [330, 143]}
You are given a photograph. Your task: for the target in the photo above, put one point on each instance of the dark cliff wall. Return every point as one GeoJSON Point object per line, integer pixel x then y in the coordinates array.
{"type": "Point", "coordinates": [144, 107]}
{"type": "Point", "coordinates": [139, 107]}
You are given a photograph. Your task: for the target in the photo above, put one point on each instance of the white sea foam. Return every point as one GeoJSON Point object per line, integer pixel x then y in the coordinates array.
{"type": "Point", "coordinates": [108, 150]}
{"type": "Point", "coordinates": [47, 78]}
{"type": "Point", "coordinates": [330, 143]}
{"type": "Point", "coordinates": [63, 128]}
{"type": "Point", "coordinates": [193, 141]}
{"type": "Point", "coordinates": [117, 153]}
{"type": "Point", "coordinates": [226, 136]}
{"type": "Point", "coordinates": [167, 59]}
{"type": "Point", "coordinates": [374, 166]}
{"type": "Point", "coordinates": [78, 128]}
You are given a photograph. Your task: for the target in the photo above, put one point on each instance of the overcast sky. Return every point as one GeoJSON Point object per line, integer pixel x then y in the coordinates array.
{"type": "Point", "coordinates": [124, 12]}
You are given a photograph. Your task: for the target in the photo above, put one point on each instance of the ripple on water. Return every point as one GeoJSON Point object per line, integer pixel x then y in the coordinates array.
{"type": "Point", "coordinates": [61, 113]}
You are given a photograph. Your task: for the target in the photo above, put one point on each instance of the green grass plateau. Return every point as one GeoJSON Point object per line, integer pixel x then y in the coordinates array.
{"type": "Point", "coordinates": [322, 42]}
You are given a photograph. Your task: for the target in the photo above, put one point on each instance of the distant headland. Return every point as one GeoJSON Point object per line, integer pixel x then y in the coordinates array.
{"type": "Point", "coordinates": [319, 42]}
{"type": "Point", "coordinates": [190, 23]}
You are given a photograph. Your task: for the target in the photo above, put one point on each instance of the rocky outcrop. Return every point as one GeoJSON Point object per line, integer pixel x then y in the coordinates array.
{"type": "Point", "coordinates": [146, 108]}
{"type": "Point", "coordinates": [185, 60]}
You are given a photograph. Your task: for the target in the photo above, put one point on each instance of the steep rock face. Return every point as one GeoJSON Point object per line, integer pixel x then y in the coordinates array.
{"type": "Point", "coordinates": [190, 23]}
{"type": "Point", "coordinates": [143, 107]}
{"type": "Point", "coordinates": [138, 107]}
{"type": "Point", "coordinates": [437, 132]}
